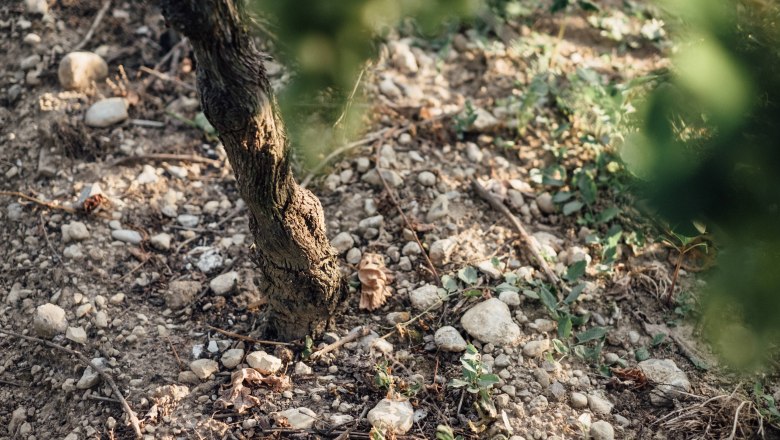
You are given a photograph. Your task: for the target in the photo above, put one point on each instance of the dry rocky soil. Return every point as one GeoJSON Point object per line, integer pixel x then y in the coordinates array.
{"type": "Point", "coordinates": [141, 262]}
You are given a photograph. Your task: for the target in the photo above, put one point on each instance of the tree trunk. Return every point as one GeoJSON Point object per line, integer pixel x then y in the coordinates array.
{"type": "Point", "coordinates": [299, 268]}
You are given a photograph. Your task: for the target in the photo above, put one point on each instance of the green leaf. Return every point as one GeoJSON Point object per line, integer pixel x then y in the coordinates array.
{"type": "Point", "coordinates": [495, 262]}
{"type": "Point", "coordinates": [548, 299]}
{"type": "Point", "coordinates": [591, 334]}
{"type": "Point", "coordinates": [607, 214]}
{"type": "Point", "coordinates": [562, 196]}
{"type": "Point", "coordinates": [506, 286]}
{"type": "Point", "coordinates": [530, 294]}
{"type": "Point", "coordinates": [641, 354]}
{"type": "Point", "coordinates": [488, 380]}
{"type": "Point", "coordinates": [468, 275]}
{"type": "Point", "coordinates": [579, 320]}
{"type": "Point", "coordinates": [564, 326]}
{"type": "Point", "coordinates": [576, 270]}
{"type": "Point", "coordinates": [449, 283]}
{"type": "Point", "coordinates": [587, 187]}
{"type": "Point", "coordinates": [574, 294]}
{"type": "Point", "coordinates": [658, 339]}
{"type": "Point", "coordinates": [572, 207]}
{"type": "Point", "coordinates": [588, 6]}
{"type": "Point", "coordinates": [472, 293]}
{"type": "Point", "coordinates": [559, 346]}
{"type": "Point", "coordinates": [559, 5]}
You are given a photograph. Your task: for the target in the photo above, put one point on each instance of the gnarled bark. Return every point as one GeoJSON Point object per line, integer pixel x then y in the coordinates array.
{"type": "Point", "coordinates": [299, 267]}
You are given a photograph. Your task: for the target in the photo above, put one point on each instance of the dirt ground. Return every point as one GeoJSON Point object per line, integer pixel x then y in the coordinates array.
{"type": "Point", "coordinates": [449, 108]}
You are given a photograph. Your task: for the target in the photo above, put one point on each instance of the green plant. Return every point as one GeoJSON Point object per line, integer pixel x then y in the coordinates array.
{"type": "Point", "coordinates": [477, 381]}
{"type": "Point", "coordinates": [444, 432]}
{"type": "Point", "coordinates": [383, 377]}
{"type": "Point", "coordinates": [683, 244]}
{"type": "Point", "coordinates": [464, 120]}
{"type": "Point", "coordinates": [766, 403]}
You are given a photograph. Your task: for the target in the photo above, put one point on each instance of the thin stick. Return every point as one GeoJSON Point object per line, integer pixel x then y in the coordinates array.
{"type": "Point", "coordinates": [529, 241]}
{"type": "Point", "coordinates": [247, 338]}
{"type": "Point", "coordinates": [40, 202]}
{"type": "Point", "coordinates": [351, 97]}
{"type": "Point", "coordinates": [125, 406]}
{"type": "Point", "coordinates": [159, 157]}
{"type": "Point", "coordinates": [54, 252]}
{"type": "Point", "coordinates": [147, 123]}
{"type": "Point", "coordinates": [175, 354]}
{"type": "Point", "coordinates": [359, 333]}
{"type": "Point", "coordinates": [95, 24]}
{"type": "Point", "coordinates": [408, 224]}
{"type": "Point", "coordinates": [166, 77]}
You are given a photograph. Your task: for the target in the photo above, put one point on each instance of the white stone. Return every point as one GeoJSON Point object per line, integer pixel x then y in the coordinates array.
{"type": "Point", "coordinates": [426, 178]}
{"type": "Point", "coordinates": [402, 57]}
{"type": "Point", "coordinates": [106, 112]}
{"type": "Point", "coordinates": [299, 418]}
{"type": "Point", "coordinates": [578, 400]}
{"type": "Point", "coordinates": [602, 430]}
{"type": "Point", "coordinates": [210, 261]}
{"type": "Point", "coordinates": [342, 242]}
{"type": "Point", "coordinates": [425, 297]}
{"type": "Point", "coordinates": [448, 338]}
{"type": "Point", "coordinates": [473, 152]}
{"type": "Point", "coordinates": [161, 241]}
{"type": "Point", "coordinates": [203, 368]}
{"type": "Point", "coordinates": [491, 322]}
{"type": "Point", "coordinates": [36, 6]}
{"type": "Point", "coordinates": [91, 377]}
{"type": "Point", "coordinates": [353, 256]}
{"type": "Point", "coordinates": [671, 380]}
{"type": "Point", "coordinates": [148, 175]}
{"type": "Point", "coordinates": [49, 320]}
{"type": "Point", "coordinates": [74, 231]}
{"type": "Point", "coordinates": [78, 70]}
{"type": "Point", "coordinates": [392, 415]}
{"type": "Point", "coordinates": [599, 405]}
{"type": "Point", "coordinates": [188, 220]}
{"type": "Point", "coordinates": [441, 250]}
{"type": "Point", "coordinates": [545, 203]}
{"type": "Point", "coordinates": [73, 252]}
{"type": "Point", "coordinates": [76, 334]}
{"type": "Point", "coordinates": [440, 208]}
{"type": "Point", "coordinates": [536, 348]}
{"type": "Point", "coordinates": [231, 358]}
{"type": "Point", "coordinates": [391, 177]}
{"type": "Point", "coordinates": [264, 362]}
{"type": "Point", "coordinates": [224, 283]}
{"type": "Point", "coordinates": [32, 39]}
{"type": "Point", "coordinates": [489, 269]}
{"type": "Point", "coordinates": [127, 236]}
{"type": "Point", "coordinates": [510, 298]}
{"type": "Point", "coordinates": [302, 369]}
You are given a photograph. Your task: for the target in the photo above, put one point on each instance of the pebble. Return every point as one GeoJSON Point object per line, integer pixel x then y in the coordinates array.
{"type": "Point", "coordinates": [181, 293]}
{"type": "Point", "coordinates": [342, 242]}
{"type": "Point", "coordinates": [391, 177]}
{"type": "Point", "coordinates": [393, 415]}
{"type": "Point", "coordinates": [440, 208]}
{"type": "Point", "coordinates": [448, 338]}
{"type": "Point", "coordinates": [210, 261]}
{"type": "Point", "coordinates": [515, 198]}
{"type": "Point", "coordinates": [672, 380]}
{"type": "Point", "coordinates": [36, 6]}
{"type": "Point", "coordinates": [101, 319]}
{"type": "Point", "coordinates": [188, 220]}
{"type": "Point", "coordinates": [148, 175]}
{"type": "Point", "coordinates": [510, 298]}
{"type": "Point", "coordinates": [578, 400]}
{"type": "Point", "coordinates": [224, 283]}
{"type": "Point", "coordinates": [502, 361]}
{"type": "Point", "coordinates": [91, 377]}
{"type": "Point", "coordinates": [32, 39]}
{"type": "Point", "coordinates": [485, 120]}
{"type": "Point", "coordinates": [402, 57]}
{"type": "Point", "coordinates": [161, 241]}
{"type": "Point", "coordinates": [299, 418]}
{"type": "Point", "coordinates": [426, 178]}
{"type": "Point", "coordinates": [74, 231]}
{"type": "Point", "coordinates": [602, 430]}
{"type": "Point", "coordinates": [30, 62]}
{"type": "Point", "coordinates": [544, 325]}
{"type": "Point", "coordinates": [76, 334]}
{"type": "Point", "coordinates": [78, 70]}
{"type": "Point", "coordinates": [599, 405]}
{"type": "Point", "coordinates": [264, 362]}
{"type": "Point", "coordinates": [542, 377]}
{"type": "Point", "coordinates": [489, 269]}
{"type": "Point", "coordinates": [231, 358]}
{"type": "Point", "coordinates": [491, 322]}
{"type": "Point", "coordinates": [203, 368]}
{"type": "Point", "coordinates": [411, 248]}
{"type": "Point", "coordinates": [18, 417]}
{"type": "Point", "coordinates": [362, 164]}
{"type": "Point", "coordinates": [106, 112]}
{"type": "Point", "coordinates": [353, 256]}
{"type": "Point", "coordinates": [396, 318]}
{"type": "Point", "coordinates": [441, 250]}
{"type": "Point", "coordinates": [425, 297]}
{"type": "Point", "coordinates": [545, 203]}
{"type": "Point", "coordinates": [302, 369]}
{"type": "Point", "coordinates": [536, 348]}
{"type": "Point", "coordinates": [127, 236]}
{"type": "Point", "coordinates": [473, 152]}
{"type": "Point", "coordinates": [49, 320]}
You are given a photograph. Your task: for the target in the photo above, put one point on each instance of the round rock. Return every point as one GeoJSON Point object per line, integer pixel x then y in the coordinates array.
{"type": "Point", "coordinates": [392, 415]}
{"type": "Point", "coordinates": [448, 338]}
{"type": "Point", "coordinates": [224, 283]}
{"type": "Point", "coordinates": [106, 112]}
{"type": "Point", "coordinates": [491, 322]}
{"type": "Point", "coordinates": [78, 70]}
{"type": "Point", "coordinates": [203, 368]}
{"type": "Point", "coordinates": [50, 320]}
{"type": "Point", "coordinates": [602, 430]}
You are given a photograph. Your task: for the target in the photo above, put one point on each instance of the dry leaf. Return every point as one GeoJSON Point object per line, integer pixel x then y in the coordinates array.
{"type": "Point", "coordinates": [240, 397]}
{"type": "Point", "coordinates": [374, 279]}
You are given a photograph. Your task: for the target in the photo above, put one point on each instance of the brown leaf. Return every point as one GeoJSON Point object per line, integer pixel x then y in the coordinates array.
{"type": "Point", "coordinates": [240, 397]}
{"type": "Point", "coordinates": [374, 279]}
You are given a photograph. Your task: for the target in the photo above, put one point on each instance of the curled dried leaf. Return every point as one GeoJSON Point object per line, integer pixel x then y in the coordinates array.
{"type": "Point", "coordinates": [374, 279]}
{"type": "Point", "coordinates": [240, 396]}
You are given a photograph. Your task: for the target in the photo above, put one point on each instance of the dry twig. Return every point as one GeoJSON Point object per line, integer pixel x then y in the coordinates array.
{"type": "Point", "coordinates": [247, 338]}
{"type": "Point", "coordinates": [95, 24]}
{"type": "Point", "coordinates": [166, 77]}
{"type": "Point", "coordinates": [39, 202]}
{"type": "Point", "coordinates": [166, 157]}
{"type": "Point", "coordinates": [106, 377]}
{"type": "Point", "coordinates": [359, 333]}
{"type": "Point", "coordinates": [530, 243]}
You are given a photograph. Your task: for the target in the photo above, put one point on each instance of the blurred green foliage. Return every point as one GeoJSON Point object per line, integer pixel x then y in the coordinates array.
{"type": "Point", "coordinates": [708, 150]}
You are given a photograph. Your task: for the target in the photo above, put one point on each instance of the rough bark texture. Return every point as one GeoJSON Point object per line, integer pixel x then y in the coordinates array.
{"type": "Point", "coordinates": [299, 268]}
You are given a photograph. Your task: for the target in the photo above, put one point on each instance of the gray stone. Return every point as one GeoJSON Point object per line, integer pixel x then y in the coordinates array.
{"type": "Point", "coordinates": [578, 400]}
{"type": "Point", "coordinates": [441, 250]}
{"type": "Point", "coordinates": [299, 418]}
{"type": "Point", "coordinates": [49, 320]}
{"type": "Point", "coordinates": [181, 293]}
{"type": "Point", "coordinates": [231, 358]}
{"type": "Point", "coordinates": [391, 177]}
{"type": "Point", "coordinates": [473, 152]}
{"type": "Point", "coordinates": [599, 405]}
{"type": "Point", "coordinates": [302, 369]}
{"type": "Point", "coordinates": [210, 261]}
{"type": "Point", "coordinates": [545, 203]}
{"type": "Point", "coordinates": [491, 322]}
{"type": "Point", "coordinates": [411, 248]}
{"type": "Point", "coordinates": [489, 269]}
{"type": "Point", "coordinates": [602, 430]}
{"type": "Point", "coordinates": [76, 334]}
{"type": "Point", "coordinates": [342, 242]}
{"type": "Point", "coordinates": [78, 70]}
{"type": "Point", "coordinates": [91, 377]}
{"type": "Point", "coordinates": [161, 241]}
{"type": "Point", "coordinates": [127, 236]}
{"type": "Point", "coordinates": [402, 57]}
{"type": "Point", "coordinates": [425, 297]}
{"type": "Point", "coordinates": [542, 377]}
{"type": "Point", "coordinates": [29, 63]}
{"type": "Point", "coordinates": [440, 208]}
{"type": "Point", "coordinates": [426, 178]}
{"type": "Point", "coordinates": [536, 348]}
{"type": "Point", "coordinates": [188, 220]}
{"type": "Point", "coordinates": [392, 415]}
{"type": "Point", "coordinates": [74, 231]}
{"type": "Point", "coordinates": [203, 368]}
{"type": "Point", "coordinates": [36, 6]}
{"type": "Point", "coordinates": [106, 112]}
{"type": "Point", "coordinates": [670, 378]}
{"type": "Point", "coordinates": [264, 362]}
{"type": "Point", "coordinates": [354, 256]}
{"type": "Point", "coordinates": [448, 338]}
{"type": "Point", "coordinates": [224, 283]}
{"type": "Point", "coordinates": [510, 298]}
{"type": "Point", "coordinates": [502, 361]}
{"type": "Point", "coordinates": [485, 120]}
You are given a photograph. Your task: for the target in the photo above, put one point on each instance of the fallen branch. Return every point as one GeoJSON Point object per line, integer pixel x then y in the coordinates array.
{"type": "Point", "coordinates": [159, 157]}
{"type": "Point", "coordinates": [247, 338]}
{"type": "Point", "coordinates": [359, 333]}
{"type": "Point", "coordinates": [95, 23]}
{"type": "Point", "coordinates": [39, 202]}
{"type": "Point", "coordinates": [106, 377]}
{"type": "Point", "coordinates": [166, 77]}
{"type": "Point", "coordinates": [530, 243]}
